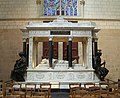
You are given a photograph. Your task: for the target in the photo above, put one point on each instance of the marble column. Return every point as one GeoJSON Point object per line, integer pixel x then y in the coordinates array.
{"type": "Point", "coordinates": [24, 48]}
{"type": "Point", "coordinates": [67, 52]}
{"type": "Point", "coordinates": [93, 63]}
{"type": "Point", "coordinates": [40, 52]}
{"type": "Point", "coordinates": [50, 52]}
{"type": "Point", "coordinates": [35, 53]}
{"type": "Point", "coordinates": [80, 54]}
{"type": "Point", "coordinates": [60, 50]}
{"type": "Point", "coordinates": [31, 63]}
{"type": "Point", "coordinates": [27, 54]}
{"type": "Point", "coordinates": [89, 53]}
{"type": "Point", "coordinates": [70, 51]}
{"type": "Point", "coordinates": [84, 59]}
{"type": "Point", "coordinates": [24, 45]}
{"type": "Point", "coordinates": [95, 48]}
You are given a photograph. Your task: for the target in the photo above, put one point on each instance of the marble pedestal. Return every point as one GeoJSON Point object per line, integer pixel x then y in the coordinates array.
{"type": "Point", "coordinates": [63, 75]}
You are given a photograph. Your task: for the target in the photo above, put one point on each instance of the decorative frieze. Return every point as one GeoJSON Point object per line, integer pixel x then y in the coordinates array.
{"type": "Point", "coordinates": [47, 33]}
{"type": "Point", "coordinates": [81, 33]}
{"type": "Point", "coordinates": [40, 76]}
{"type": "Point", "coordinates": [30, 76]}
{"type": "Point", "coordinates": [60, 76]}
{"type": "Point", "coordinates": [39, 33]}
{"type": "Point", "coordinates": [71, 78]}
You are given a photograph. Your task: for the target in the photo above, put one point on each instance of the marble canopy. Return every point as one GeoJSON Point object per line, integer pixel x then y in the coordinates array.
{"type": "Point", "coordinates": [64, 73]}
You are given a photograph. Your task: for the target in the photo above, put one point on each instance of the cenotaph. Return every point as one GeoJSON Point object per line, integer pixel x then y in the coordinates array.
{"type": "Point", "coordinates": [64, 71]}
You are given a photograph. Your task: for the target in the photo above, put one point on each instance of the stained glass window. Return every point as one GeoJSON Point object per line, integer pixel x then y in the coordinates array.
{"type": "Point", "coordinates": [60, 7]}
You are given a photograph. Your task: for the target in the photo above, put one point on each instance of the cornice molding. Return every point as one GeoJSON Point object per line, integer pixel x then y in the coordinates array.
{"type": "Point", "coordinates": [52, 18]}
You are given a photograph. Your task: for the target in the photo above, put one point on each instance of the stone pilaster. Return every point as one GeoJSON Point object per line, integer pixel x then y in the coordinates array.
{"type": "Point", "coordinates": [40, 52]}
{"type": "Point", "coordinates": [80, 54]}
{"type": "Point", "coordinates": [84, 59]}
{"type": "Point", "coordinates": [31, 63]}
{"type": "Point", "coordinates": [89, 53]}
{"type": "Point", "coordinates": [35, 53]}
{"type": "Point", "coordinates": [60, 50]}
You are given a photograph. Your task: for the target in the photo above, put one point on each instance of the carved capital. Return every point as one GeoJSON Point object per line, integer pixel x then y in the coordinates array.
{"type": "Point", "coordinates": [24, 39]}
{"type": "Point", "coordinates": [70, 38]}
{"type": "Point", "coordinates": [50, 38]}
{"type": "Point", "coordinates": [82, 2]}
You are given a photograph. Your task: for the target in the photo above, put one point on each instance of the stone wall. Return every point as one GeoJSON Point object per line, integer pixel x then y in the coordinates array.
{"type": "Point", "coordinates": [109, 43]}
{"type": "Point", "coordinates": [15, 15]}
{"type": "Point", "coordinates": [18, 9]}
{"type": "Point", "coordinates": [28, 9]}
{"type": "Point", "coordinates": [105, 9]}
{"type": "Point", "coordinates": [10, 46]}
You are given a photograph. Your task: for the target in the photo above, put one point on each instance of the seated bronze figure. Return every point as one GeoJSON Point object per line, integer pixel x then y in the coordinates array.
{"type": "Point", "coordinates": [100, 70]}
{"type": "Point", "coordinates": [19, 71]}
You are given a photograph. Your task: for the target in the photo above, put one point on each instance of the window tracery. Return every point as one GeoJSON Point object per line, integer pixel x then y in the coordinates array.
{"type": "Point", "coordinates": [60, 7]}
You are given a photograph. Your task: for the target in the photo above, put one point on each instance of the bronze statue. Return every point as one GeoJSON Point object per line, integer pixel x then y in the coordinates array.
{"type": "Point", "coordinates": [100, 70]}
{"type": "Point", "coordinates": [19, 71]}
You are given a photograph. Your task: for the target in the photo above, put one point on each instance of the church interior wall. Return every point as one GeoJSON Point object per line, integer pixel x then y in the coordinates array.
{"type": "Point", "coordinates": [109, 44]}
{"type": "Point", "coordinates": [10, 46]}
{"type": "Point", "coordinates": [28, 9]}
{"type": "Point", "coordinates": [102, 9]}
{"type": "Point", "coordinates": [16, 15]}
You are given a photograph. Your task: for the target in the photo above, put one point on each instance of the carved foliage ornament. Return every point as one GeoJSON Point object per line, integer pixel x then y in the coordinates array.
{"type": "Point", "coordinates": [82, 2]}
{"type": "Point", "coordinates": [38, 2]}
{"type": "Point", "coordinates": [40, 76]}
{"type": "Point", "coordinates": [30, 76]}
{"type": "Point", "coordinates": [60, 75]}
{"type": "Point", "coordinates": [80, 76]}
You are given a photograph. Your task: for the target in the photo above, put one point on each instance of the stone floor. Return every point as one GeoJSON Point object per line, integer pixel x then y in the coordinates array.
{"type": "Point", "coordinates": [66, 95]}
{"type": "Point", "coordinates": [111, 96]}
